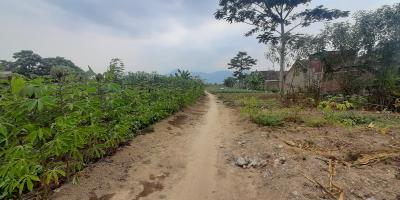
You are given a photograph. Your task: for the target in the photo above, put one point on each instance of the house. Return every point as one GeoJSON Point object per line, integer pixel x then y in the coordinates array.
{"type": "Point", "coordinates": [325, 71]}
{"type": "Point", "coordinates": [271, 79]}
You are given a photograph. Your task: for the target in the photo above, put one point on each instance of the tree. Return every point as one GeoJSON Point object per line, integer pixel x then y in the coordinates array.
{"type": "Point", "coordinates": [341, 36]}
{"type": "Point", "coordinates": [275, 20]}
{"type": "Point", "coordinates": [6, 65]}
{"type": "Point", "coordinates": [115, 71]}
{"type": "Point", "coordinates": [185, 74]}
{"type": "Point", "coordinates": [378, 27]}
{"type": "Point", "coordinates": [26, 62]}
{"type": "Point", "coordinates": [48, 63]}
{"type": "Point", "coordinates": [241, 63]}
{"type": "Point", "coordinates": [29, 63]}
{"type": "Point", "coordinates": [230, 81]}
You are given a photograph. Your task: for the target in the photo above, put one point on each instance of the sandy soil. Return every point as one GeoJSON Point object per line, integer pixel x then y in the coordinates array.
{"type": "Point", "coordinates": [193, 155]}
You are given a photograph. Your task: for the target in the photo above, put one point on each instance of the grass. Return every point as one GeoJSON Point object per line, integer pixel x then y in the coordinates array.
{"type": "Point", "coordinates": [314, 121]}
{"type": "Point", "coordinates": [348, 118]}
{"type": "Point", "coordinates": [267, 110]}
{"type": "Point", "coordinates": [269, 118]}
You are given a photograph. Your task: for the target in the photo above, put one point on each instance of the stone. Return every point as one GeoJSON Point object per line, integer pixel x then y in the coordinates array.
{"type": "Point", "coordinates": [241, 162]}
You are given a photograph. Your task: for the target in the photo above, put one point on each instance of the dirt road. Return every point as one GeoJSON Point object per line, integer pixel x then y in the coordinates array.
{"type": "Point", "coordinates": [185, 158]}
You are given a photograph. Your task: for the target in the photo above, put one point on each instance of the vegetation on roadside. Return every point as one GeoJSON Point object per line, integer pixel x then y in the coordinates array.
{"type": "Point", "coordinates": [266, 109]}
{"type": "Point", "coordinates": [52, 127]}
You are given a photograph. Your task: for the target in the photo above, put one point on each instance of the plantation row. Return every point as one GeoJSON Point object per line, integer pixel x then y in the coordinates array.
{"type": "Point", "coordinates": [50, 128]}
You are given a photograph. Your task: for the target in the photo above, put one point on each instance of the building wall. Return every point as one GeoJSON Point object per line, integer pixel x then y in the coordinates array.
{"type": "Point", "coordinates": [271, 84]}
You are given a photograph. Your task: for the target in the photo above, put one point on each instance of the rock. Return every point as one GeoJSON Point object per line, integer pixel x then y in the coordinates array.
{"type": "Point", "coordinates": [295, 193]}
{"type": "Point", "coordinates": [241, 143]}
{"type": "Point", "coordinates": [253, 163]}
{"type": "Point", "coordinates": [276, 162]}
{"type": "Point", "coordinates": [282, 160]}
{"type": "Point", "coordinates": [279, 161]}
{"type": "Point", "coordinates": [241, 162]}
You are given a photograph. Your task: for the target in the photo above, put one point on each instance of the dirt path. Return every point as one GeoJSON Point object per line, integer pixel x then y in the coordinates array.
{"type": "Point", "coordinates": [184, 158]}
{"type": "Point", "coordinates": [200, 177]}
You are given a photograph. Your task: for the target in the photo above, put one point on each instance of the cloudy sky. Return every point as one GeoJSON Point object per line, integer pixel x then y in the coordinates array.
{"type": "Point", "coordinates": [148, 35]}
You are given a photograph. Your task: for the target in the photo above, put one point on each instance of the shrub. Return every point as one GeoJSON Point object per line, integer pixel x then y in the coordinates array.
{"type": "Point", "coordinates": [358, 101]}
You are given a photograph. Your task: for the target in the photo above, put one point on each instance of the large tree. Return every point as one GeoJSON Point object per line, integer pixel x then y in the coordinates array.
{"type": "Point", "coordinates": [48, 63]}
{"type": "Point", "coordinates": [26, 62]}
{"type": "Point", "coordinates": [241, 63]}
{"type": "Point", "coordinates": [29, 63]}
{"type": "Point", "coordinates": [274, 21]}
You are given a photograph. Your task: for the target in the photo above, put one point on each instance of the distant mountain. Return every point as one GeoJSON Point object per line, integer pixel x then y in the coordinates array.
{"type": "Point", "coordinates": [214, 77]}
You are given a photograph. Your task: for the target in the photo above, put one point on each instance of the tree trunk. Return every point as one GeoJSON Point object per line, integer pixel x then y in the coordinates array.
{"type": "Point", "coordinates": [282, 60]}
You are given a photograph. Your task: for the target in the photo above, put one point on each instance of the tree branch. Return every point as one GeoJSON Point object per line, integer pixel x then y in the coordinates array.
{"type": "Point", "coordinates": [288, 13]}
{"type": "Point", "coordinates": [294, 27]}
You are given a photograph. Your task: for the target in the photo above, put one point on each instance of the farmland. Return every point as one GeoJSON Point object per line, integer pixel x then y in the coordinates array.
{"type": "Point", "coordinates": [51, 128]}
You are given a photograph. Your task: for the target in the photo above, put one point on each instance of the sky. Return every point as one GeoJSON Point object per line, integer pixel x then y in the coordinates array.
{"type": "Point", "coordinates": [148, 35]}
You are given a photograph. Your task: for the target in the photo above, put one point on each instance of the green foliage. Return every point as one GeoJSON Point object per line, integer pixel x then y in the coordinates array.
{"type": "Point", "coordinates": [253, 107]}
{"type": "Point", "coordinates": [185, 74]}
{"type": "Point", "coordinates": [335, 103]}
{"type": "Point", "coordinates": [230, 81]}
{"type": "Point", "coordinates": [115, 71]}
{"type": "Point", "coordinates": [254, 81]}
{"type": "Point", "coordinates": [241, 63]}
{"type": "Point", "coordinates": [282, 14]}
{"type": "Point", "coordinates": [51, 128]}
{"type": "Point", "coordinates": [30, 64]}
{"type": "Point", "coordinates": [358, 101]}
{"type": "Point", "coordinates": [17, 83]}
{"type": "Point", "coordinates": [274, 22]}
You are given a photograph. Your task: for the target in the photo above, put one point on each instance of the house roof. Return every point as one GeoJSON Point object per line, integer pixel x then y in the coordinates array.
{"type": "Point", "coordinates": [270, 75]}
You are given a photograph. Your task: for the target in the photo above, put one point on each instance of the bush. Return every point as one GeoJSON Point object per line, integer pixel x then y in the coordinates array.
{"type": "Point", "coordinates": [358, 101]}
